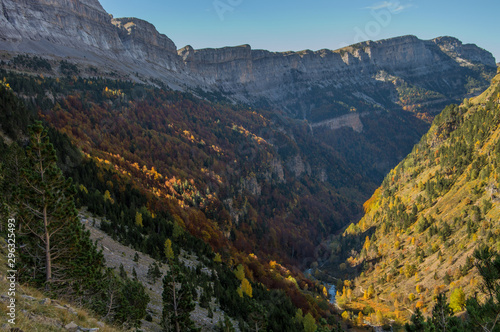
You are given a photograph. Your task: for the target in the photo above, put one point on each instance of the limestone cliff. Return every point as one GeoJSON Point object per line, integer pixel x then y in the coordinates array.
{"type": "Point", "coordinates": [315, 85]}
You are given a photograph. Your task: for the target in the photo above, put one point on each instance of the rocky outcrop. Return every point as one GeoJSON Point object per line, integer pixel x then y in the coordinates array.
{"type": "Point", "coordinates": [143, 42]}
{"type": "Point", "coordinates": [467, 54]}
{"type": "Point", "coordinates": [349, 120]}
{"type": "Point", "coordinates": [84, 32]}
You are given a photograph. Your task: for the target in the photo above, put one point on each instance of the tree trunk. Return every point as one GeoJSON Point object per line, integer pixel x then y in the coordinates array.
{"type": "Point", "coordinates": [48, 260]}
{"type": "Point", "coordinates": [177, 327]}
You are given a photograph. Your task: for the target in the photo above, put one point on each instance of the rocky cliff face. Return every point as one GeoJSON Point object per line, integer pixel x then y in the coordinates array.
{"type": "Point", "coordinates": [83, 31]}
{"type": "Point", "coordinates": [73, 23]}
{"type": "Point", "coordinates": [285, 78]}
{"type": "Point", "coordinates": [318, 85]}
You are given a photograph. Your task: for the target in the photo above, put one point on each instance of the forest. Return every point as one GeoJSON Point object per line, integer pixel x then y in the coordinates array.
{"type": "Point", "coordinates": [177, 196]}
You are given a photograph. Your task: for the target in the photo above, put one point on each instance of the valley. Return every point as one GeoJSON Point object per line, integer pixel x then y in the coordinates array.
{"type": "Point", "coordinates": [324, 190]}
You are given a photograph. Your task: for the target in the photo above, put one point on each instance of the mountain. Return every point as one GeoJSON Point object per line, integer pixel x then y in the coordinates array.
{"type": "Point", "coordinates": [372, 72]}
{"type": "Point", "coordinates": [432, 211]}
{"type": "Point", "coordinates": [356, 99]}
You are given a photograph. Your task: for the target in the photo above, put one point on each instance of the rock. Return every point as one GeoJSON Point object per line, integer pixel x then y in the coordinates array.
{"type": "Point", "coordinates": [101, 324]}
{"type": "Point", "coordinates": [46, 301]}
{"type": "Point", "coordinates": [71, 326]}
{"type": "Point", "coordinates": [27, 297]}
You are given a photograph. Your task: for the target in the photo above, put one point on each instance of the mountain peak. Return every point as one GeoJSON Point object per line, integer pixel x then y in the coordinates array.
{"type": "Point", "coordinates": [145, 32]}
{"type": "Point", "coordinates": [467, 54]}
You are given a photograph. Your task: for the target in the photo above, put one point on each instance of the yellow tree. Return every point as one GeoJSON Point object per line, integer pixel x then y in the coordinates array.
{"type": "Point", "coordinates": [217, 258]}
{"type": "Point", "coordinates": [457, 300]}
{"type": "Point", "coordinates": [369, 293]}
{"type": "Point", "coordinates": [361, 318]}
{"type": "Point", "coordinates": [246, 287]}
{"type": "Point", "coordinates": [366, 246]}
{"type": "Point", "coordinates": [169, 252]}
{"type": "Point", "coordinates": [138, 219]}
{"type": "Point", "coordinates": [239, 272]}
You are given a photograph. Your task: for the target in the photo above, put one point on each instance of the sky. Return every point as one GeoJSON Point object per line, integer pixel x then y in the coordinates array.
{"type": "Point", "coordinates": [295, 25]}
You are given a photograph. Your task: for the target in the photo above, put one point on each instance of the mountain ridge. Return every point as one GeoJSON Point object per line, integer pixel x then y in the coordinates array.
{"type": "Point", "coordinates": [85, 32]}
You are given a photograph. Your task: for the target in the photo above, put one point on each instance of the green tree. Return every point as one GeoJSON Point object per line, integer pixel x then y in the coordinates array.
{"type": "Point", "coordinates": [226, 325]}
{"type": "Point", "coordinates": [239, 272]}
{"type": "Point", "coordinates": [299, 316]}
{"type": "Point", "coordinates": [132, 303]}
{"type": "Point", "coordinates": [442, 319]}
{"type": "Point", "coordinates": [441, 313]}
{"type": "Point", "coordinates": [177, 230]}
{"type": "Point", "coordinates": [309, 323]}
{"type": "Point", "coordinates": [153, 272]}
{"type": "Point", "coordinates": [54, 241]}
{"type": "Point", "coordinates": [177, 302]}
{"type": "Point", "coordinates": [485, 315]}
{"type": "Point", "coordinates": [417, 322]}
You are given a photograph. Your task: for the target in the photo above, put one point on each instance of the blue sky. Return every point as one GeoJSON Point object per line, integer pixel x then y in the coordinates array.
{"type": "Point", "coordinates": [315, 24]}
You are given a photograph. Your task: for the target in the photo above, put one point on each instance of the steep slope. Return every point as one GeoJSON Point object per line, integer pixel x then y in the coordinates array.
{"type": "Point", "coordinates": [137, 213]}
{"type": "Point", "coordinates": [438, 205]}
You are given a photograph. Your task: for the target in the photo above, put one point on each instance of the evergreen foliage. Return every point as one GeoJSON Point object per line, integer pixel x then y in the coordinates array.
{"type": "Point", "coordinates": [177, 301]}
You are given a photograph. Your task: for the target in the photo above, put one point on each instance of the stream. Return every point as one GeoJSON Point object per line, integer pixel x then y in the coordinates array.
{"type": "Point", "coordinates": [332, 290]}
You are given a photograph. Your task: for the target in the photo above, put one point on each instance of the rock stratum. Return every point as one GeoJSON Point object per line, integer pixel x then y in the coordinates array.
{"type": "Point", "coordinates": [313, 85]}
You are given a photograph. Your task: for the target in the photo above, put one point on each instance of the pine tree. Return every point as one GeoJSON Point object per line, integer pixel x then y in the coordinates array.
{"type": "Point", "coordinates": [441, 312]}
{"type": "Point", "coordinates": [417, 322]}
{"type": "Point", "coordinates": [55, 245]}
{"type": "Point", "coordinates": [132, 303]}
{"type": "Point", "coordinates": [485, 314]}
{"type": "Point", "coordinates": [153, 272]}
{"type": "Point", "coordinates": [177, 302]}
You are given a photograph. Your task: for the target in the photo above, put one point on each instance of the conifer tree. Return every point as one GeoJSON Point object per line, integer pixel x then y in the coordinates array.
{"type": "Point", "coordinates": [177, 302]}
{"type": "Point", "coordinates": [55, 244]}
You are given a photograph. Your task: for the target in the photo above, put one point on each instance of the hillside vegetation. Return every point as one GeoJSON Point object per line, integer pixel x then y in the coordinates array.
{"type": "Point", "coordinates": [423, 224]}
{"type": "Point", "coordinates": [162, 215]}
